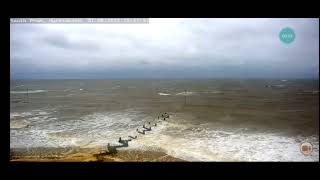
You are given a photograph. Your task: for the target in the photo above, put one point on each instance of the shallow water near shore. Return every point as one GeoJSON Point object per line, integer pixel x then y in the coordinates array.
{"type": "Point", "coordinates": [210, 120]}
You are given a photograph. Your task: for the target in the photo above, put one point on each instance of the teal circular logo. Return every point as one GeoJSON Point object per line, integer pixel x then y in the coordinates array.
{"type": "Point", "coordinates": [287, 35]}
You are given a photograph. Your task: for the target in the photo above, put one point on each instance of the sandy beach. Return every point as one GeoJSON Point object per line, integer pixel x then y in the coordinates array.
{"type": "Point", "coordinates": [87, 155]}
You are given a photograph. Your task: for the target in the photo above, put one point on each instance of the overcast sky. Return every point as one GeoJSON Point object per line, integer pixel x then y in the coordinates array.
{"type": "Point", "coordinates": [165, 48]}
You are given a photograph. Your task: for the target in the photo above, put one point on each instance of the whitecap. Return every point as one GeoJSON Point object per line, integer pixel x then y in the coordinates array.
{"type": "Point", "coordinates": [308, 92]}
{"type": "Point", "coordinates": [24, 92]}
{"type": "Point", "coordinates": [163, 94]}
{"type": "Point", "coordinates": [42, 113]}
{"type": "Point", "coordinates": [115, 87]}
{"type": "Point", "coordinates": [13, 115]}
{"type": "Point", "coordinates": [16, 114]}
{"type": "Point", "coordinates": [279, 85]}
{"type": "Point", "coordinates": [185, 93]}
{"type": "Point", "coordinates": [214, 92]}
{"type": "Point", "coordinates": [204, 144]}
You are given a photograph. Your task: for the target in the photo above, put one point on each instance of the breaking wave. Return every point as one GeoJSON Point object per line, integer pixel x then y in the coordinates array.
{"type": "Point", "coordinates": [24, 92]}
{"type": "Point", "coordinates": [163, 94]}
{"type": "Point", "coordinates": [185, 93]}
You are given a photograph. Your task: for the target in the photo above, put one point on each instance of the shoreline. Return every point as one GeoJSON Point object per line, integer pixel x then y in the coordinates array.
{"type": "Point", "coordinates": [69, 154]}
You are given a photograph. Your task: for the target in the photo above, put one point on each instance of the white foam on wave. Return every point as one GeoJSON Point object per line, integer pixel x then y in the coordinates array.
{"type": "Point", "coordinates": [185, 93]}
{"type": "Point", "coordinates": [19, 114]}
{"type": "Point", "coordinates": [312, 92]}
{"type": "Point", "coordinates": [20, 120]}
{"type": "Point", "coordinates": [24, 92]}
{"type": "Point", "coordinates": [96, 129]}
{"type": "Point", "coordinates": [212, 92]}
{"type": "Point", "coordinates": [204, 144]}
{"type": "Point", "coordinates": [309, 92]}
{"type": "Point", "coordinates": [43, 113]}
{"type": "Point", "coordinates": [25, 130]}
{"type": "Point", "coordinates": [279, 85]}
{"type": "Point", "coordinates": [36, 137]}
{"type": "Point", "coordinates": [185, 141]}
{"type": "Point", "coordinates": [163, 94]}
{"type": "Point", "coordinates": [258, 147]}
{"type": "Point", "coordinates": [103, 128]}
{"type": "Point", "coordinates": [215, 92]}
{"type": "Point", "coordinates": [40, 119]}
{"type": "Point", "coordinates": [115, 87]}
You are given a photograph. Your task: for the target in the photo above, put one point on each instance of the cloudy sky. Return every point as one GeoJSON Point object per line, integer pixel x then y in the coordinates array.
{"type": "Point", "coordinates": [165, 48]}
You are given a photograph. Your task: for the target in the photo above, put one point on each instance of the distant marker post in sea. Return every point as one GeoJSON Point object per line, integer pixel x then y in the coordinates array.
{"type": "Point", "coordinates": [185, 97]}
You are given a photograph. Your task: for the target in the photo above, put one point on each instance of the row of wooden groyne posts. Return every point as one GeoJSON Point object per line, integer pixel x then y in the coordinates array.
{"type": "Point", "coordinates": [148, 127]}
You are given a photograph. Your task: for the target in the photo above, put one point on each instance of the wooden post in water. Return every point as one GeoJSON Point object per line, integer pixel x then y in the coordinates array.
{"type": "Point", "coordinates": [185, 97]}
{"type": "Point", "coordinates": [27, 95]}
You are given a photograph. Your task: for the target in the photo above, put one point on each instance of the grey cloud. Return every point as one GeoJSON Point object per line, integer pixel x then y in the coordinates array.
{"type": "Point", "coordinates": [62, 41]}
{"type": "Point", "coordinates": [179, 48]}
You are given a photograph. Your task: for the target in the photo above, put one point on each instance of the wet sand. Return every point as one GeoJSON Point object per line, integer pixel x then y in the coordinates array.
{"type": "Point", "coordinates": [87, 155]}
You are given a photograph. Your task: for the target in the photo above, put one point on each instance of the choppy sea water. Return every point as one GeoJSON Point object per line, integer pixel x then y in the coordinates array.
{"type": "Point", "coordinates": [210, 120]}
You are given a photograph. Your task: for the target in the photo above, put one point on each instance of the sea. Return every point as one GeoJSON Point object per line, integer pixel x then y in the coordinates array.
{"type": "Point", "coordinates": [209, 119]}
